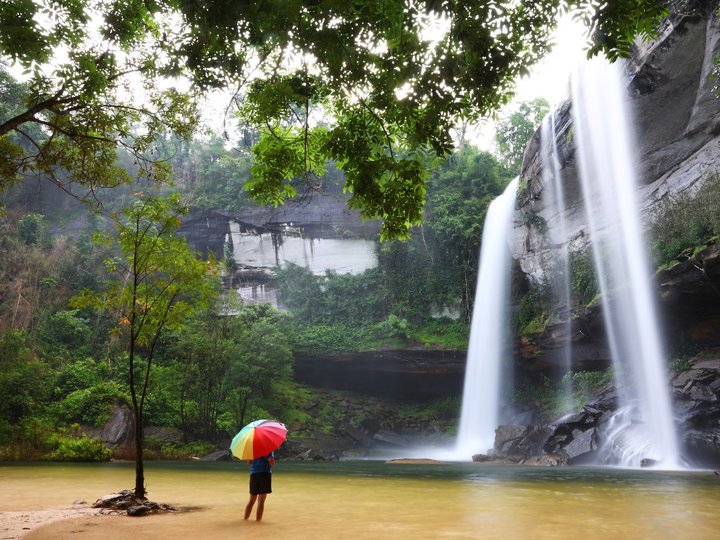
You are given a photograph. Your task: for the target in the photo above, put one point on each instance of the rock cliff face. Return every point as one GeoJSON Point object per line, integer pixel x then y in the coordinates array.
{"type": "Point", "coordinates": [321, 215]}
{"type": "Point", "coordinates": [677, 118]}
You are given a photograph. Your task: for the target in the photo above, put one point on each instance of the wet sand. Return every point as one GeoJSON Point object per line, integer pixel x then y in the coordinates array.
{"type": "Point", "coordinates": [15, 525]}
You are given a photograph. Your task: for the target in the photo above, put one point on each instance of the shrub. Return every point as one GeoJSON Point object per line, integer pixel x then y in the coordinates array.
{"type": "Point", "coordinates": [678, 365]}
{"type": "Point", "coordinates": [586, 384]}
{"type": "Point", "coordinates": [443, 332]}
{"type": "Point", "coordinates": [64, 334]}
{"type": "Point", "coordinates": [326, 338]}
{"type": "Point", "coordinates": [534, 309]}
{"type": "Point", "coordinates": [398, 327]}
{"type": "Point", "coordinates": [90, 405]}
{"type": "Point", "coordinates": [83, 448]}
{"type": "Point", "coordinates": [23, 378]}
{"type": "Point", "coordinates": [583, 279]}
{"type": "Point", "coordinates": [32, 229]}
{"type": "Point", "coordinates": [156, 448]}
{"type": "Point", "coordinates": [78, 375]}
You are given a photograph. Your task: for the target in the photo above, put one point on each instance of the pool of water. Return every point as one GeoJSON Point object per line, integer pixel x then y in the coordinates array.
{"type": "Point", "coordinates": [372, 499]}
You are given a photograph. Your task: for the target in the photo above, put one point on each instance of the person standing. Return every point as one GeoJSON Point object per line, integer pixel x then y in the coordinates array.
{"type": "Point", "coordinates": [260, 484]}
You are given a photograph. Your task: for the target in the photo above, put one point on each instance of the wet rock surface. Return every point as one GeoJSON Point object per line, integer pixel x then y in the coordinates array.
{"type": "Point", "coordinates": [696, 393]}
{"type": "Point", "coordinates": [323, 215]}
{"type": "Point", "coordinates": [578, 437]}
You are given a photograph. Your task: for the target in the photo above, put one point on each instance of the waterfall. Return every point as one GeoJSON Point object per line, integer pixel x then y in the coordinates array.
{"type": "Point", "coordinates": [561, 273]}
{"type": "Point", "coordinates": [643, 425]}
{"type": "Point", "coordinates": [488, 331]}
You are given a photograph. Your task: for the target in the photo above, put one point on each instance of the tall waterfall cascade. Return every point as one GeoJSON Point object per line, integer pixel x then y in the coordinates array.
{"type": "Point", "coordinates": [488, 345]}
{"type": "Point", "coordinates": [643, 426]}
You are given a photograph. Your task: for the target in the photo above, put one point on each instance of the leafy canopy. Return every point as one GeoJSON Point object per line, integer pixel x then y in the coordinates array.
{"type": "Point", "coordinates": [361, 82]}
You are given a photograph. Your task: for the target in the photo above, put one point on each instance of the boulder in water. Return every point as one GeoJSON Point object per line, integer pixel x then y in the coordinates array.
{"type": "Point", "coordinates": [583, 446]}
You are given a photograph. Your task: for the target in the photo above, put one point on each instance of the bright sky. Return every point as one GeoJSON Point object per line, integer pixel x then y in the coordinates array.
{"type": "Point", "coordinates": [549, 79]}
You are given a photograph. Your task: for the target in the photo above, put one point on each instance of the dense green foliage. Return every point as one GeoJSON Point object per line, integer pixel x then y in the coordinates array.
{"type": "Point", "coordinates": [584, 286]}
{"type": "Point", "coordinates": [332, 298]}
{"type": "Point", "coordinates": [221, 370]}
{"type": "Point", "coordinates": [685, 222]}
{"type": "Point", "coordinates": [212, 175]}
{"type": "Point", "coordinates": [61, 368]}
{"type": "Point", "coordinates": [458, 198]}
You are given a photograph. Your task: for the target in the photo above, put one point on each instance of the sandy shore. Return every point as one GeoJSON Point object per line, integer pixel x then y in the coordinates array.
{"type": "Point", "coordinates": [17, 524]}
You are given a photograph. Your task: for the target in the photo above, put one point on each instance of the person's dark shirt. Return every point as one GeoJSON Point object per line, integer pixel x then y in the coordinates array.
{"type": "Point", "coordinates": [262, 464]}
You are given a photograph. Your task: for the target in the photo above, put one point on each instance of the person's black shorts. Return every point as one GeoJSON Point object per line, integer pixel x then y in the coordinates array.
{"type": "Point", "coordinates": [260, 482]}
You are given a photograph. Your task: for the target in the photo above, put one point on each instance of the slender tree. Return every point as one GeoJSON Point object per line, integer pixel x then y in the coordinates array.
{"type": "Point", "coordinates": [515, 130]}
{"type": "Point", "coordinates": [158, 284]}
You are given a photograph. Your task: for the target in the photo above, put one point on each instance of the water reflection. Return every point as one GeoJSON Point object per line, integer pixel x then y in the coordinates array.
{"type": "Point", "coordinates": [358, 500]}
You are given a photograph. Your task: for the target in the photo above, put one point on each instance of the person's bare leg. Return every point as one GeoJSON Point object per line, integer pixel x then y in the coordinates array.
{"type": "Point", "coordinates": [249, 507]}
{"type": "Point", "coordinates": [261, 506]}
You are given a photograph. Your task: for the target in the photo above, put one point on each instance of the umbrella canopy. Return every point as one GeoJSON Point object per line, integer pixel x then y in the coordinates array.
{"type": "Point", "coordinates": [258, 439]}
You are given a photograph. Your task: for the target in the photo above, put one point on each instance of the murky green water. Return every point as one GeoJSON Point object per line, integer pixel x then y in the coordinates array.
{"type": "Point", "coordinates": [364, 500]}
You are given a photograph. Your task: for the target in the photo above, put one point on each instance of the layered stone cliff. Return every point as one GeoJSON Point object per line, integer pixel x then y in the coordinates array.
{"type": "Point", "coordinates": [322, 214]}
{"type": "Point", "coordinates": [671, 84]}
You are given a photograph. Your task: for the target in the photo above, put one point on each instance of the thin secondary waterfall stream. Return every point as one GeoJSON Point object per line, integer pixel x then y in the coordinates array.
{"type": "Point", "coordinates": [488, 332]}
{"type": "Point", "coordinates": [643, 426]}
{"type": "Point", "coordinates": [554, 185]}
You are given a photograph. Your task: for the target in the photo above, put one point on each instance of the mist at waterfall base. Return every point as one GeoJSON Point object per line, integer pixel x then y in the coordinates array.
{"type": "Point", "coordinates": [643, 427]}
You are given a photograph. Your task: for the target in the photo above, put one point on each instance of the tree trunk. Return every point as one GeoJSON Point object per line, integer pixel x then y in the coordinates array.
{"type": "Point", "coordinates": [139, 467]}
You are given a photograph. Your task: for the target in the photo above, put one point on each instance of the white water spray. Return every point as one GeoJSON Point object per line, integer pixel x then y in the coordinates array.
{"type": "Point", "coordinates": [643, 426]}
{"type": "Point", "coordinates": [488, 331]}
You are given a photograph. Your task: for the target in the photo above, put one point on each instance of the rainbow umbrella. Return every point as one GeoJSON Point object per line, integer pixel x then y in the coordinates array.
{"type": "Point", "coordinates": [258, 439]}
